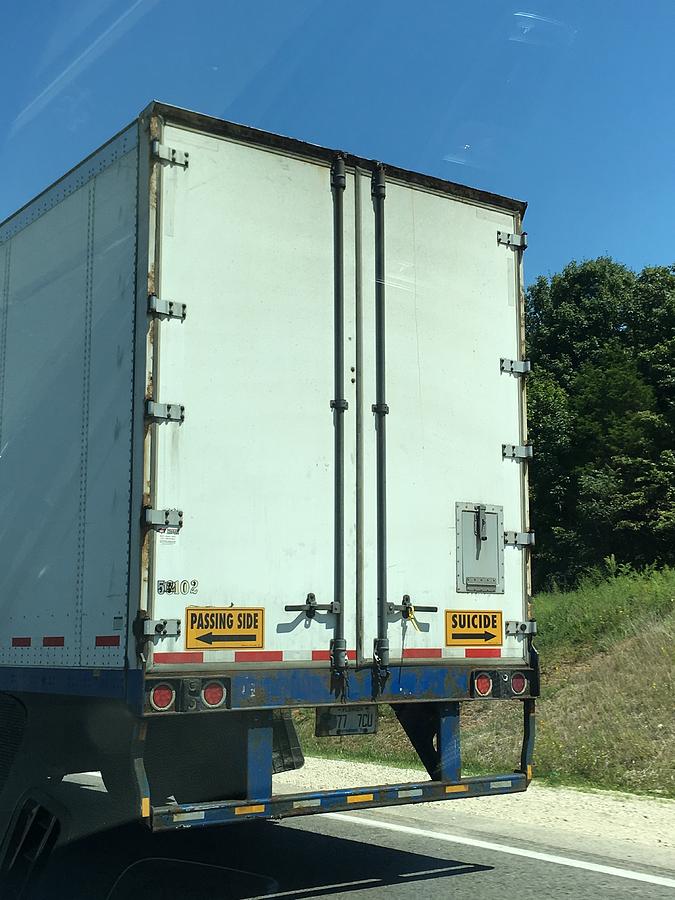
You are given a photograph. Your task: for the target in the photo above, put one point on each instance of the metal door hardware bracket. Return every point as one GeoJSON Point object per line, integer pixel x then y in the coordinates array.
{"type": "Point", "coordinates": [310, 607]}
{"type": "Point", "coordinates": [408, 609]}
{"type": "Point", "coordinates": [170, 154]}
{"type": "Point", "coordinates": [515, 628]}
{"type": "Point", "coordinates": [480, 523]}
{"type": "Point", "coordinates": [478, 584]}
{"type": "Point", "coordinates": [516, 241]}
{"type": "Point", "coordinates": [171, 412]}
{"type": "Point", "coordinates": [161, 627]}
{"type": "Point", "coordinates": [515, 366]}
{"type": "Point", "coordinates": [164, 518]}
{"type": "Point", "coordinates": [166, 307]}
{"type": "Point", "coordinates": [519, 538]}
{"type": "Point", "coordinates": [512, 451]}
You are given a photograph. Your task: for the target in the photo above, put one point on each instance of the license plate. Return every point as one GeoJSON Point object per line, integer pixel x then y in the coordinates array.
{"type": "Point", "coordinates": [335, 720]}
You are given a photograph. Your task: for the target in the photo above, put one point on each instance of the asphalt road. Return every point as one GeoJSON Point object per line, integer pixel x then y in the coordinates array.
{"type": "Point", "coordinates": [392, 853]}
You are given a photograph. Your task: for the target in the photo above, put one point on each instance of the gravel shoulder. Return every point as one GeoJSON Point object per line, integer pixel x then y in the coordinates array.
{"type": "Point", "coordinates": [631, 829]}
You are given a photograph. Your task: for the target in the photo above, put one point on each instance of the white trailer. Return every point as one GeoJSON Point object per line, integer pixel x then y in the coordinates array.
{"type": "Point", "coordinates": [263, 445]}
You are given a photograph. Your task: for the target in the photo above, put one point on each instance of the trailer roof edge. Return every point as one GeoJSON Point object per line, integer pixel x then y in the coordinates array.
{"type": "Point", "coordinates": [246, 133]}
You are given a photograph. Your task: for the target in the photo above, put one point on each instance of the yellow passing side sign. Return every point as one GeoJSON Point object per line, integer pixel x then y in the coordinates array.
{"type": "Point", "coordinates": [473, 628]}
{"type": "Point", "coordinates": [229, 628]}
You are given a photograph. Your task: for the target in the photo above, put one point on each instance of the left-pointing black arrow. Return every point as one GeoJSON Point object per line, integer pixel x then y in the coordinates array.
{"type": "Point", "coordinates": [473, 636]}
{"type": "Point", "coordinates": [211, 638]}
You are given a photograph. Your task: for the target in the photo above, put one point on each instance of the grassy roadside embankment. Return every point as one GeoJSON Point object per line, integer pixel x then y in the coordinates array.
{"type": "Point", "coordinates": [605, 718]}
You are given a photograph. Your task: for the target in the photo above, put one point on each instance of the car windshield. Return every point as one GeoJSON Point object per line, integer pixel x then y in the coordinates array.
{"type": "Point", "coordinates": [337, 391]}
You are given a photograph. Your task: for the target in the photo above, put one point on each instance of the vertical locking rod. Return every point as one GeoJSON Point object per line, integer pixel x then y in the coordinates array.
{"type": "Point", "coordinates": [380, 408]}
{"type": "Point", "coordinates": [339, 406]}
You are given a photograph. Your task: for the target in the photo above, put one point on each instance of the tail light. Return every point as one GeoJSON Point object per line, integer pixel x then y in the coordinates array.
{"type": "Point", "coordinates": [213, 694]}
{"type": "Point", "coordinates": [518, 683]}
{"type": "Point", "coordinates": [162, 696]}
{"type": "Point", "coordinates": [483, 684]}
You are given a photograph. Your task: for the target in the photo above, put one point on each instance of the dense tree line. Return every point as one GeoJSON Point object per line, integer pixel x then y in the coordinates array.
{"type": "Point", "coordinates": [601, 403]}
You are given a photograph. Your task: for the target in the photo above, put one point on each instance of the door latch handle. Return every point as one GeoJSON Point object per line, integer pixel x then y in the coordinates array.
{"type": "Point", "coordinates": [310, 607]}
{"type": "Point", "coordinates": [480, 524]}
{"type": "Point", "coordinates": [407, 609]}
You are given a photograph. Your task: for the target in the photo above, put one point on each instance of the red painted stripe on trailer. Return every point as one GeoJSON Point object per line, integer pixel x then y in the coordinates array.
{"type": "Point", "coordinates": [53, 641]}
{"type": "Point", "coordinates": [107, 640]}
{"type": "Point", "coordinates": [259, 656]}
{"type": "Point", "coordinates": [478, 652]}
{"type": "Point", "coordinates": [21, 642]}
{"type": "Point", "coordinates": [422, 653]}
{"type": "Point", "coordinates": [324, 655]}
{"type": "Point", "coordinates": [179, 658]}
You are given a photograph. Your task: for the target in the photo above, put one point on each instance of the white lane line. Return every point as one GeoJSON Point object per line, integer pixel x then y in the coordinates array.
{"type": "Point", "coordinates": [504, 848]}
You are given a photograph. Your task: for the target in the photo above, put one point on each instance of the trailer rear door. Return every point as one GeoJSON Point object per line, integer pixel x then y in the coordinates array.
{"type": "Point", "coordinates": [453, 311]}
{"type": "Point", "coordinates": [247, 245]}
{"type": "Point", "coordinates": [247, 242]}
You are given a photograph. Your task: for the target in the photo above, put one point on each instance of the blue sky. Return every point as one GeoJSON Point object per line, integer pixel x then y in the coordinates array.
{"type": "Point", "coordinates": [568, 104]}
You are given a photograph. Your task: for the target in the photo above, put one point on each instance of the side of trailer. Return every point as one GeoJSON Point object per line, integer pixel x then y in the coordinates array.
{"type": "Point", "coordinates": [67, 331]}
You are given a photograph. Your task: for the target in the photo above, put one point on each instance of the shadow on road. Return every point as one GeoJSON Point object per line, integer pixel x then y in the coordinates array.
{"type": "Point", "coordinates": [237, 862]}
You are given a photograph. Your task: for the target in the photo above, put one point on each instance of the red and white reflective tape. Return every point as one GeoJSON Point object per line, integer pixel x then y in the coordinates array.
{"type": "Point", "coordinates": [188, 657]}
{"type": "Point", "coordinates": [259, 656]}
{"type": "Point", "coordinates": [57, 640]}
{"type": "Point", "coordinates": [324, 655]}
{"type": "Point", "coordinates": [422, 653]}
{"type": "Point", "coordinates": [107, 640]}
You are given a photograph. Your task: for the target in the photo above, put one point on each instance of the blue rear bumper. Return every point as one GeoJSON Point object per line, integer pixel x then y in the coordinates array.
{"type": "Point", "coordinates": [188, 815]}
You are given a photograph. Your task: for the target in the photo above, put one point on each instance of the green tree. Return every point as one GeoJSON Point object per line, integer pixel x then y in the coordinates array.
{"type": "Point", "coordinates": [614, 410]}
{"type": "Point", "coordinates": [601, 406]}
{"type": "Point", "coordinates": [551, 485]}
{"type": "Point", "coordinates": [652, 327]}
{"type": "Point", "coordinates": [574, 316]}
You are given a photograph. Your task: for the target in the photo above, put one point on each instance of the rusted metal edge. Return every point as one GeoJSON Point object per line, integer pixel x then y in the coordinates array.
{"type": "Point", "coordinates": [177, 116]}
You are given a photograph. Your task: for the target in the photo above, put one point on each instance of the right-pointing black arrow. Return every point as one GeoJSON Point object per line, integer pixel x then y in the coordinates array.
{"type": "Point", "coordinates": [473, 636]}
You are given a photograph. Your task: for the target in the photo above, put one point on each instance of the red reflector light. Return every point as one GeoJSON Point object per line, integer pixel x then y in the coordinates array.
{"type": "Point", "coordinates": [518, 683]}
{"type": "Point", "coordinates": [483, 684]}
{"type": "Point", "coordinates": [162, 696]}
{"type": "Point", "coordinates": [213, 693]}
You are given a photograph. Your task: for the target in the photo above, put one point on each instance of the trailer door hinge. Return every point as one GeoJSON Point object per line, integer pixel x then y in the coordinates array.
{"type": "Point", "coordinates": [515, 628]}
{"type": "Point", "coordinates": [519, 538]}
{"type": "Point", "coordinates": [170, 154]}
{"type": "Point", "coordinates": [515, 366]}
{"type": "Point", "coordinates": [516, 241]}
{"type": "Point", "coordinates": [511, 451]}
{"type": "Point", "coordinates": [161, 627]}
{"type": "Point", "coordinates": [166, 307]}
{"type": "Point", "coordinates": [164, 518]}
{"type": "Point", "coordinates": [171, 412]}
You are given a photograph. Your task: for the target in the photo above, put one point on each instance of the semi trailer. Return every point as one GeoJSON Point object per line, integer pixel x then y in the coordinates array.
{"type": "Point", "coordinates": [263, 447]}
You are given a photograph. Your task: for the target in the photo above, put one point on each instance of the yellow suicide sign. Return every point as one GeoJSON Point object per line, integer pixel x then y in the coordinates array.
{"type": "Point", "coordinates": [228, 628]}
{"type": "Point", "coordinates": [473, 628]}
